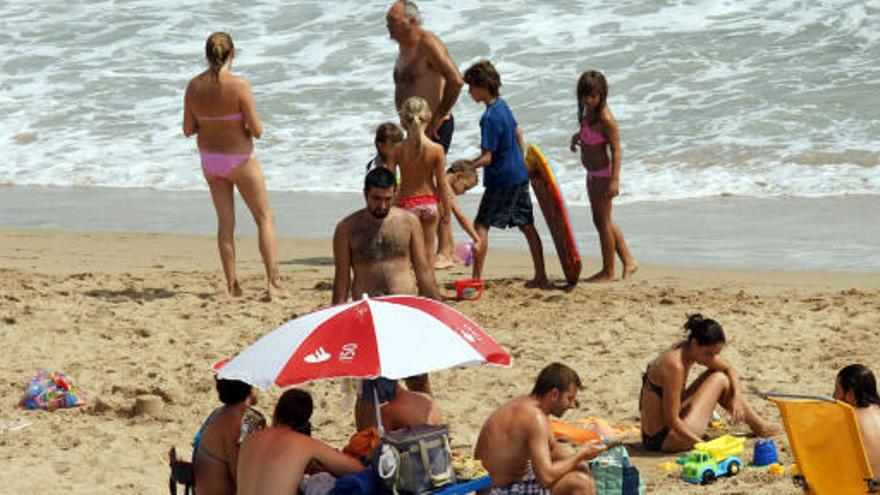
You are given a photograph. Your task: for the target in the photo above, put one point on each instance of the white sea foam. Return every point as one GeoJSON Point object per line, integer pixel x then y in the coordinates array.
{"type": "Point", "coordinates": [752, 98]}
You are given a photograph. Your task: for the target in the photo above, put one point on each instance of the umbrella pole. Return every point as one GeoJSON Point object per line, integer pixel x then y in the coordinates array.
{"type": "Point", "coordinates": [378, 413]}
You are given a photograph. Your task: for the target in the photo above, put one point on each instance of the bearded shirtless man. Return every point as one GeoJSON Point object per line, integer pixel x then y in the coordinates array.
{"type": "Point", "coordinates": [382, 245]}
{"type": "Point", "coordinates": [424, 68]}
{"type": "Point", "coordinates": [385, 249]}
{"type": "Point", "coordinates": [517, 446]}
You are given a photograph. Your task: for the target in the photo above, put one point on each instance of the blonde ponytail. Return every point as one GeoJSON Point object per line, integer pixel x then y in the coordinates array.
{"type": "Point", "coordinates": [415, 115]}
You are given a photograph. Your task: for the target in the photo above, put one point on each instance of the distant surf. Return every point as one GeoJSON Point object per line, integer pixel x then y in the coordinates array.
{"type": "Point", "coordinates": [752, 98]}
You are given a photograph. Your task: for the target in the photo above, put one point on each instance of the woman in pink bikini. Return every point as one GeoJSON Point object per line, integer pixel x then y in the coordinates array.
{"type": "Point", "coordinates": [422, 165]}
{"type": "Point", "coordinates": [598, 138]}
{"type": "Point", "coordinates": [219, 107]}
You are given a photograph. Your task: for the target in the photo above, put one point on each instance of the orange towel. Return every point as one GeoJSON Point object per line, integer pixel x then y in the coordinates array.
{"type": "Point", "coordinates": [573, 433]}
{"type": "Point", "coordinates": [362, 443]}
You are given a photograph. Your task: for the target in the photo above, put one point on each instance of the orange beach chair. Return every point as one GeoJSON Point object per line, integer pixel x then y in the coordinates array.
{"type": "Point", "coordinates": [827, 445]}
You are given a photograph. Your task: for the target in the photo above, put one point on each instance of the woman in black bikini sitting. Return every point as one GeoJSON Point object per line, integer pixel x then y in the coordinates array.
{"type": "Point", "coordinates": [215, 446]}
{"type": "Point", "coordinates": [674, 418]}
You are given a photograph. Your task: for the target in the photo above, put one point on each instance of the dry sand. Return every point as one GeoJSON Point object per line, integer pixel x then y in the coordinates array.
{"type": "Point", "coordinates": [127, 314]}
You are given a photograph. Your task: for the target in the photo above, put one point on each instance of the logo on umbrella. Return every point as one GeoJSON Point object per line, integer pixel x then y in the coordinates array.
{"type": "Point", "coordinates": [348, 352]}
{"type": "Point", "coordinates": [469, 334]}
{"type": "Point", "coordinates": [318, 356]}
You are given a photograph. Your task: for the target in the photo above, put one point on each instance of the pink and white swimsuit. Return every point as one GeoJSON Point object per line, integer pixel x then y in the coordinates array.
{"type": "Point", "coordinates": [423, 206]}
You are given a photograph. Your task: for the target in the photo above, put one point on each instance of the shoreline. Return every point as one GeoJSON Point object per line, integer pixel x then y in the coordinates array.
{"type": "Point", "coordinates": [70, 252]}
{"type": "Point", "coordinates": [784, 234]}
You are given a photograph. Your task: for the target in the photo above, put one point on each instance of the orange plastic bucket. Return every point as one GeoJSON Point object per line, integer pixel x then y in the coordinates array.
{"type": "Point", "coordinates": [468, 290]}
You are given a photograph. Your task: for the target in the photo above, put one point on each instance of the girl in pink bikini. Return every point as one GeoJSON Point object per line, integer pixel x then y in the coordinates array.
{"type": "Point", "coordinates": [423, 181]}
{"type": "Point", "coordinates": [219, 107]}
{"type": "Point", "coordinates": [598, 138]}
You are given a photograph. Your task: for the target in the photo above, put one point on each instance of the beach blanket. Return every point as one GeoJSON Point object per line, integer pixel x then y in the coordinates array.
{"type": "Point", "coordinates": [593, 428]}
{"type": "Point", "coordinates": [52, 391]}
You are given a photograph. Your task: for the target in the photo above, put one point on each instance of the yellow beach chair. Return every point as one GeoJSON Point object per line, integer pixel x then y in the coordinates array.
{"type": "Point", "coordinates": [827, 445]}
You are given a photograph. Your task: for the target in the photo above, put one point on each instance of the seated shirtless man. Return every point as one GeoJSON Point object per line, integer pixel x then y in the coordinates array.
{"type": "Point", "coordinates": [273, 461]}
{"type": "Point", "coordinates": [517, 446]}
{"type": "Point", "coordinates": [384, 248]}
{"type": "Point", "coordinates": [856, 385]}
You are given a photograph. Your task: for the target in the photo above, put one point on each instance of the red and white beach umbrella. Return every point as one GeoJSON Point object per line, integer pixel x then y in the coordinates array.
{"type": "Point", "coordinates": [392, 336]}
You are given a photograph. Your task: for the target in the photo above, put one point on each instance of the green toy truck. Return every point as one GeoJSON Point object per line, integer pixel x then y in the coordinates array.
{"type": "Point", "coordinates": [711, 460]}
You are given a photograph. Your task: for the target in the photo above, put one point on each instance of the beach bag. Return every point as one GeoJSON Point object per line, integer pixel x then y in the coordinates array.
{"type": "Point", "coordinates": [415, 460]}
{"type": "Point", "coordinates": [614, 475]}
{"type": "Point", "coordinates": [52, 391]}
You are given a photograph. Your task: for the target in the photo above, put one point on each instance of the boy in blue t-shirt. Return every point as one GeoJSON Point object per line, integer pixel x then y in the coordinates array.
{"type": "Point", "coordinates": [506, 201]}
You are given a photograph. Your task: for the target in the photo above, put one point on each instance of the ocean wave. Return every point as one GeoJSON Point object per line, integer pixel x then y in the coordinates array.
{"type": "Point", "coordinates": [751, 98]}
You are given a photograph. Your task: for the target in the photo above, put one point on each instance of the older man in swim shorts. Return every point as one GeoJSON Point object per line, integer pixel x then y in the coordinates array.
{"type": "Point", "coordinates": [517, 446]}
{"type": "Point", "coordinates": [424, 68]}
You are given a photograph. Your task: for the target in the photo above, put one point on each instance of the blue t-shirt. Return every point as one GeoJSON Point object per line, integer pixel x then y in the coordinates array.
{"type": "Point", "coordinates": [498, 133]}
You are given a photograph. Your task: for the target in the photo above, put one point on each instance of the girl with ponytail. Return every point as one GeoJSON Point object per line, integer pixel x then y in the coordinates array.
{"type": "Point", "coordinates": [422, 165]}
{"type": "Point", "coordinates": [674, 417]}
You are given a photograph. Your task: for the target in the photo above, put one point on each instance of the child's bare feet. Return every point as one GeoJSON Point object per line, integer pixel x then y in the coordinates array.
{"type": "Point", "coordinates": [234, 290]}
{"type": "Point", "coordinates": [443, 262]}
{"type": "Point", "coordinates": [601, 278]}
{"type": "Point", "coordinates": [629, 269]}
{"type": "Point", "coordinates": [538, 283]}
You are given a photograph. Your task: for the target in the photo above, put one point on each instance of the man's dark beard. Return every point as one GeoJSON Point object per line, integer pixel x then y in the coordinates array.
{"type": "Point", "coordinates": [380, 213]}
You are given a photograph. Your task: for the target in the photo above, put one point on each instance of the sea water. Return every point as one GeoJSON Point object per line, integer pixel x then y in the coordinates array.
{"type": "Point", "coordinates": [713, 97]}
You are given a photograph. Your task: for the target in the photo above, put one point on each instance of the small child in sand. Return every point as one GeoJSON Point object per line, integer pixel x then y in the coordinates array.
{"type": "Point", "coordinates": [462, 177]}
{"type": "Point", "coordinates": [506, 201]}
{"type": "Point", "coordinates": [597, 138]}
{"type": "Point", "coordinates": [388, 134]}
{"type": "Point", "coordinates": [421, 162]}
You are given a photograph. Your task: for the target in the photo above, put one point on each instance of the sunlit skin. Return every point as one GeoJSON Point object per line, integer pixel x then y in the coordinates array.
{"type": "Point", "coordinates": [598, 157]}
{"type": "Point", "coordinates": [518, 435]}
{"type": "Point", "coordinates": [869, 423]}
{"type": "Point", "coordinates": [423, 68]}
{"type": "Point", "coordinates": [687, 414]}
{"type": "Point", "coordinates": [459, 184]}
{"type": "Point", "coordinates": [379, 250]}
{"type": "Point", "coordinates": [204, 97]}
{"type": "Point", "coordinates": [379, 202]}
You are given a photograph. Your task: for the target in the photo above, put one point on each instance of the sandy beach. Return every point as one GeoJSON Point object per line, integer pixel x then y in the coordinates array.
{"type": "Point", "coordinates": [126, 314]}
{"type": "Point", "coordinates": [747, 181]}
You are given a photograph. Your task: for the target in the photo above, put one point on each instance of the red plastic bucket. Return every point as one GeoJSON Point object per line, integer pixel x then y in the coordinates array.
{"type": "Point", "coordinates": [468, 290]}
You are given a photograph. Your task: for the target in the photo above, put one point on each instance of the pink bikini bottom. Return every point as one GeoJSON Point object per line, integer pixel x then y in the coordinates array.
{"type": "Point", "coordinates": [424, 206]}
{"type": "Point", "coordinates": [222, 164]}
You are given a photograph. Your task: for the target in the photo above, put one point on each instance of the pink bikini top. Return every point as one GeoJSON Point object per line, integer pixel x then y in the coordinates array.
{"type": "Point", "coordinates": [590, 137]}
{"type": "Point", "coordinates": [231, 116]}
